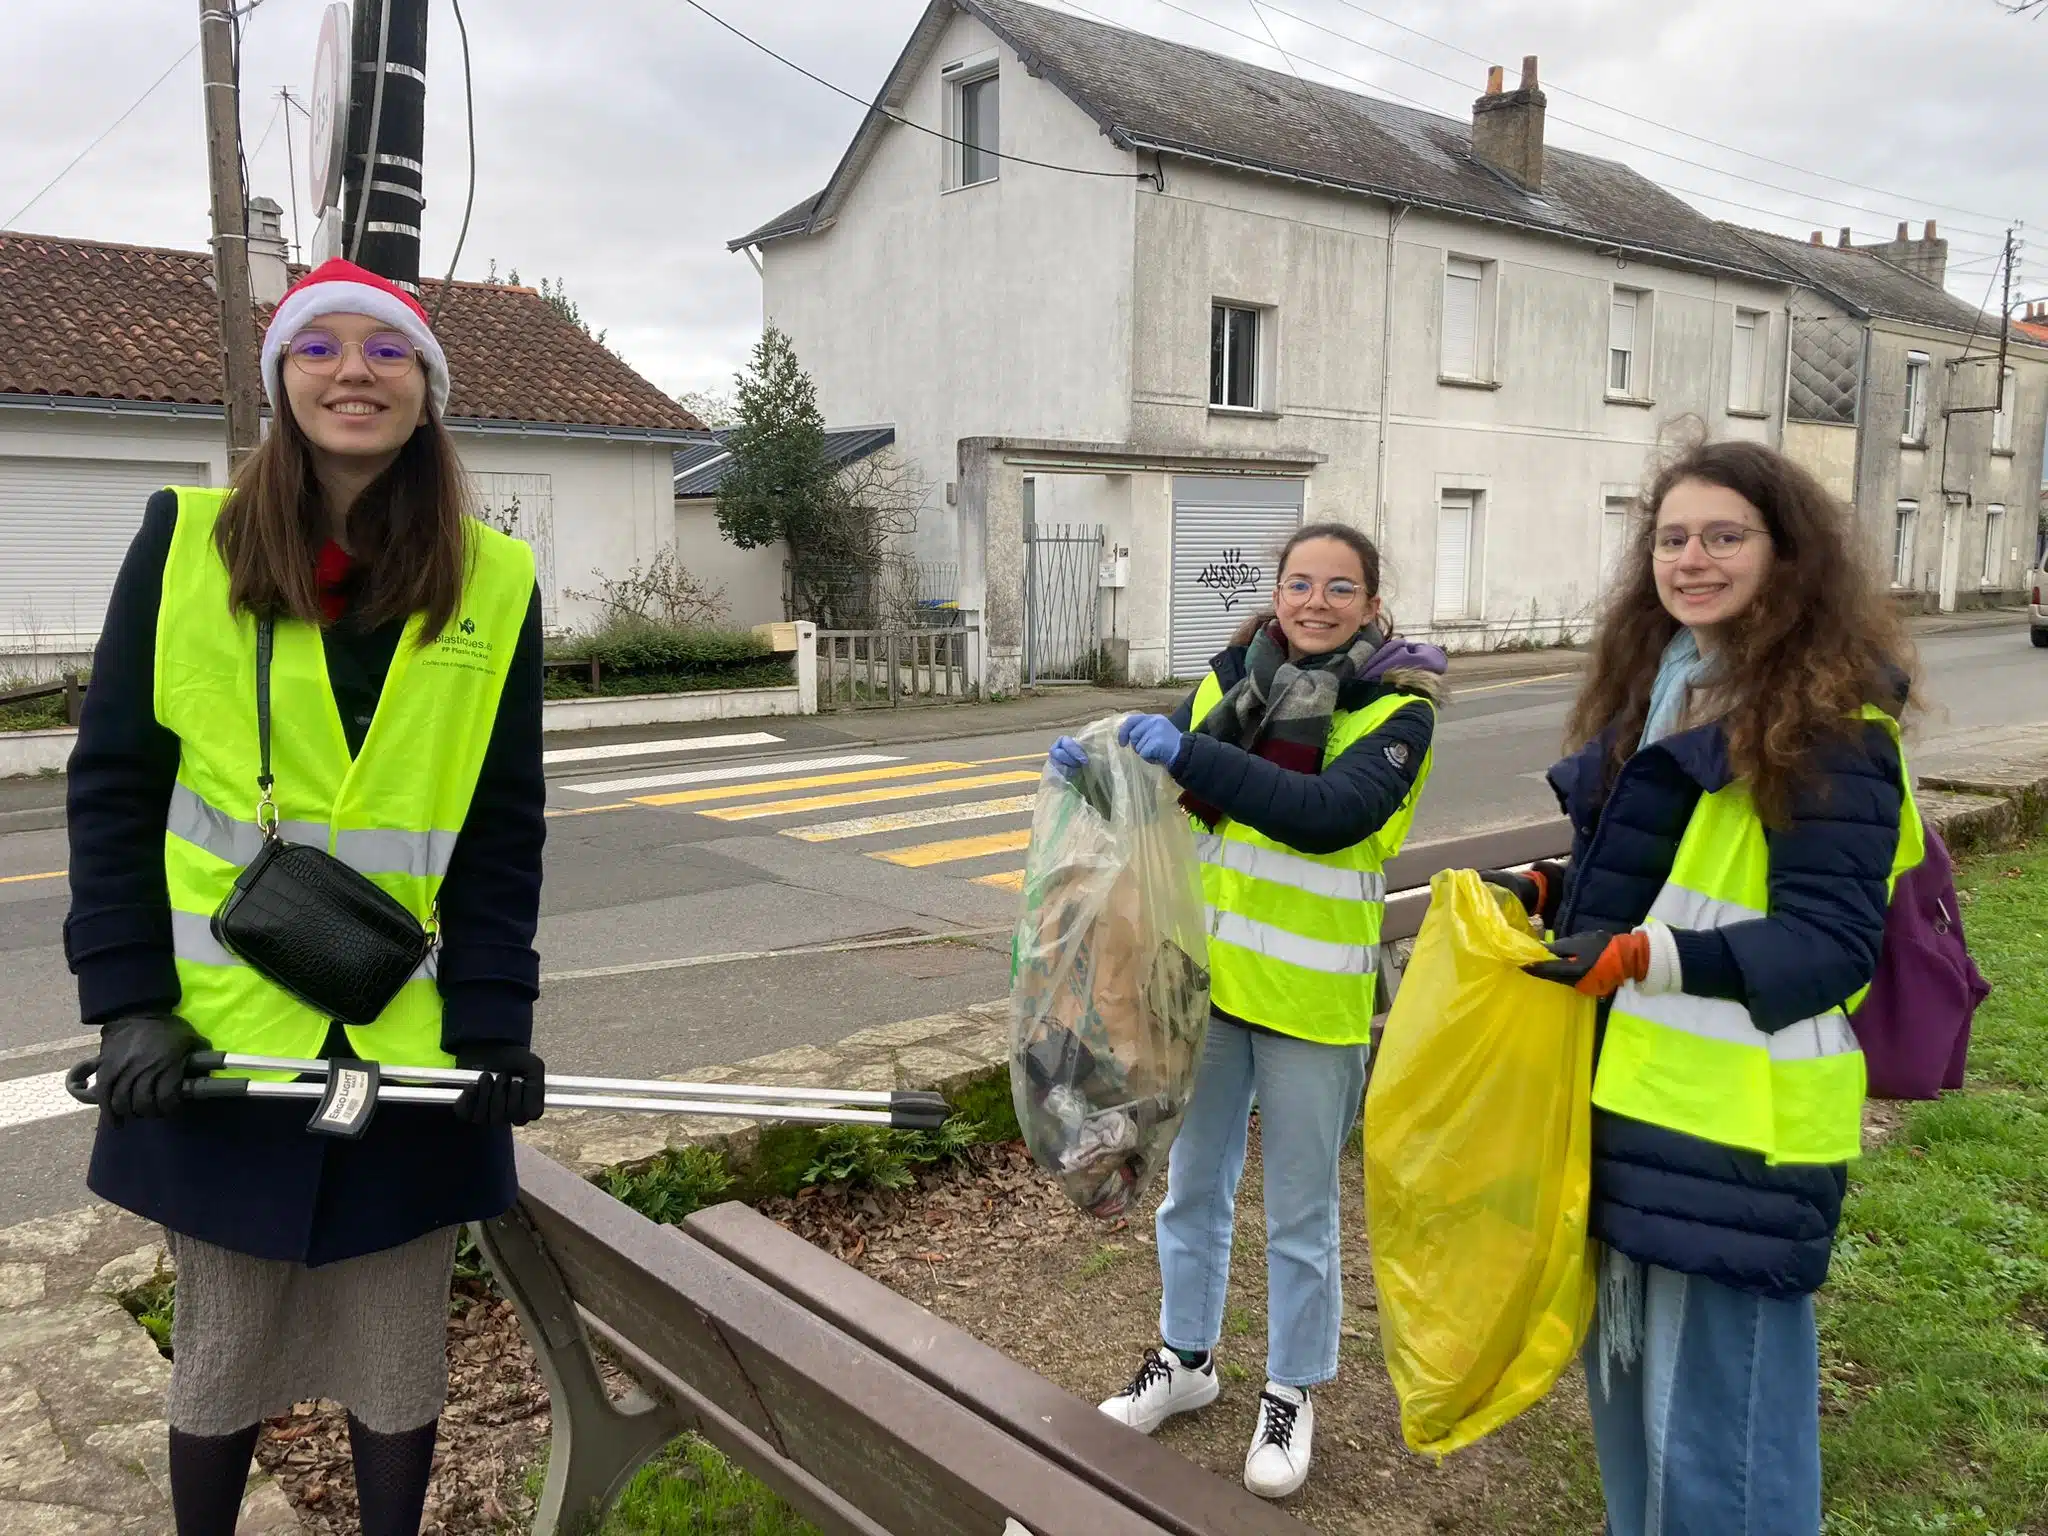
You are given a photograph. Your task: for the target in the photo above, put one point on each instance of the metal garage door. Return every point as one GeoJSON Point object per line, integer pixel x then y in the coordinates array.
{"type": "Point", "coordinates": [64, 526]}
{"type": "Point", "coordinates": [1227, 536]}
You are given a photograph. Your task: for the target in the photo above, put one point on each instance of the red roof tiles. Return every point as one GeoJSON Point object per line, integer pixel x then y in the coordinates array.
{"type": "Point", "coordinates": [82, 317]}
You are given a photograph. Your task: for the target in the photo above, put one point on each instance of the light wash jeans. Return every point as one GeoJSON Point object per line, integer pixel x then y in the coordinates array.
{"type": "Point", "coordinates": [1308, 1105]}
{"type": "Point", "coordinates": [1715, 1430]}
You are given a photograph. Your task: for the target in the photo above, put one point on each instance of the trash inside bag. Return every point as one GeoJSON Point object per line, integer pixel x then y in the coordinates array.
{"type": "Point", "coordinates": [1478, 1157]}
{"type": "Point", "coordinates": [1109, 987]}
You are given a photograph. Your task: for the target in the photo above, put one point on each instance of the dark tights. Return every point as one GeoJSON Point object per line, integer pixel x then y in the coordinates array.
{"type": "Point", "coordinates": [209, 1472]}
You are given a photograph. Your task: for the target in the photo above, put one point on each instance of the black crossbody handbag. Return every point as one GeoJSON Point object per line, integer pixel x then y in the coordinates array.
{"type": "Point", "coordinates": [304, 920]}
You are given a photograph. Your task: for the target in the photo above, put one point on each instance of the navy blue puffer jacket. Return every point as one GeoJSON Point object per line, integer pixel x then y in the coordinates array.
{"type": "Point", "coordinates": [1674, 1200]}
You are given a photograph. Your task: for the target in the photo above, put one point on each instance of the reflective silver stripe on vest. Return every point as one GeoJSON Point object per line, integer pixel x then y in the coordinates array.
{"type": "Point", "coordinates": [380, 851]}
{"type": "Point", "coordinates": [1290, 869]}
{"type": "Point", "coordinates": [192, 938]}
{"type": "Point", "coordinates": [1714, 1018]}
{"type": "Point", "coordinates": [1291, 948]}
{"type": "Point", "coordinates": [367, 850]}
{"type": "Point", "coordinates": [236, 842]}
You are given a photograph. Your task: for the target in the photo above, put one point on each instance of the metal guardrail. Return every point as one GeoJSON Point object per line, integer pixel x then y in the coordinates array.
{"type": "Point", "coordinates": [72, 688]}
{"type": "Point", "coordinates": [887, 668]}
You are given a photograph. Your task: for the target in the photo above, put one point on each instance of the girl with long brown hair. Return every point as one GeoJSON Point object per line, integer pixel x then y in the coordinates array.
{"type": "Point", "coordinates": [402, 642]}
{"type": "Point", "coordinates": [1741, 807]}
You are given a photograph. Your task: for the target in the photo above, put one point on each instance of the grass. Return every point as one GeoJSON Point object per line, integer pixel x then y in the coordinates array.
{"type": "Point", "coordinates": [1105, 1258]}
{"type": "Point", "coordinates": [153, 1304]}
{"type": "Point", "coordinates": [691, 1489]}
{"type": "Point", "coordinates": [1934, 1325]}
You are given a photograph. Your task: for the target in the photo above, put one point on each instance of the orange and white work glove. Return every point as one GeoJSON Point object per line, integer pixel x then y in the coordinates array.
{"type": "Point", "coordinates": [1597, 963]}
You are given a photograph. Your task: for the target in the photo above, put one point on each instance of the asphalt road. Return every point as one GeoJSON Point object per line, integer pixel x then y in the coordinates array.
{"type": "Point", "coordinates": [724, 895]}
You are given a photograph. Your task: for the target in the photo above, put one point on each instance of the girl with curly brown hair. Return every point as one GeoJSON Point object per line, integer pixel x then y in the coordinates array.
{"type": "Point", "coordinates": [1741, 808]}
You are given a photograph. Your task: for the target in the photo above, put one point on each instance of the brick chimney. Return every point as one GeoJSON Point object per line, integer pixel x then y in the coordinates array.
{"type": "Point", "coordinates": [1925, 258]}
{"type": "Point", "coordinates": [267, 274]}
{"type": "Point", "coordinates": [1507, 127]}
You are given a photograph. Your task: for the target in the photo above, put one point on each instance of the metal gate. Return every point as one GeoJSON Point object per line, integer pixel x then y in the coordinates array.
{"type": "Point", "coordinates": [1227, 536]}
{"type": "Point", "coordinates": [1062, 602]}
{"type": "Point", "coordinates": [524, 507]}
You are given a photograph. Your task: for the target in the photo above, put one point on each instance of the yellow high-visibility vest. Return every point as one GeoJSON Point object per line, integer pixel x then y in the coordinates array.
{"type": "Point", "coordinates": [1294, 937]}
{"type": "Point", "coordinates": [1700, 1065]}
{"type": "Point", "coordinates": [393, 812]}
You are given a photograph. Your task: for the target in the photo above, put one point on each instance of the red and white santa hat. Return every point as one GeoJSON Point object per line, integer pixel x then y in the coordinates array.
{"type": "Point", "coordinates": [340, 287]}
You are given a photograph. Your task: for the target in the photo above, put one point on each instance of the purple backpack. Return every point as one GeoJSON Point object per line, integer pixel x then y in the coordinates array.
{"type": "Point", "coordinates": [1914, 1023]}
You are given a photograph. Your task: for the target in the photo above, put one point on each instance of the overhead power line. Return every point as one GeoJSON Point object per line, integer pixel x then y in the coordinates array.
{"type": "Point", "coordinates": [881, 111]}
{"type": "Point", "coordinates": [1387, 91]}
{"type": "Point", "coordinates": [101, 138]}
{"type": "Point", "coordinates": [1697, 138]}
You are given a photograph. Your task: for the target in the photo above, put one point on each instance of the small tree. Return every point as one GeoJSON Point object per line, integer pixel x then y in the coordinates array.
{"type": "Point", "coordinates": [715, 408]}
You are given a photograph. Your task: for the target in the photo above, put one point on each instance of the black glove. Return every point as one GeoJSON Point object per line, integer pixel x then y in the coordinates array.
{"type": "Point", "coordinates": [512, 1091]}
{"type": "Point", "coordinates": [1539, 890]}
{"type": "Point", "coordinates": [142, 1065]}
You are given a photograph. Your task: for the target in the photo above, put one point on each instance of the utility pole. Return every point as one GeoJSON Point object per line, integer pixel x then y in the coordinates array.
{"type": "Point", "coordinates": [230, 227]}
{"type": "Point", "coordinates": [385, 183]}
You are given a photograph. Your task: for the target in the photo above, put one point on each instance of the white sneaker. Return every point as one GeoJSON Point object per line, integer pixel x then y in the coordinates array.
{"type": "Point", "coordinates": [1162, 1388]}
{"type": "Point", "coordinates": [1277, 1463]}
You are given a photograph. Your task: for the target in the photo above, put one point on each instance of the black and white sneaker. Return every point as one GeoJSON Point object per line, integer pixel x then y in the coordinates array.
{"type": "Point", "coordinates": [1162, 1388]}
{"type": "Point", "coordinates": [1277, 1464]}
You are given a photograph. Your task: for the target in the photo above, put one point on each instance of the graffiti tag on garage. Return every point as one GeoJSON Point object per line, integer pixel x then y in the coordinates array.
{"type": "Point", "coordinates": [1231, 578]}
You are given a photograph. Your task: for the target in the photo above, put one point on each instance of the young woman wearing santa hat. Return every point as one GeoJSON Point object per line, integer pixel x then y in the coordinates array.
{"type": "Point", "coordinates": [405, 739]}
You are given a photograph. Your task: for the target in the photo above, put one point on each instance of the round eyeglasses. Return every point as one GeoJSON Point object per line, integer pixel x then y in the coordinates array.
{"type": "Point", "coordinates": [320, 353]}
{"type": "Point", "coordinates": [1338, 593]}
{"type": "Point", "coordinates": [1721, 541]}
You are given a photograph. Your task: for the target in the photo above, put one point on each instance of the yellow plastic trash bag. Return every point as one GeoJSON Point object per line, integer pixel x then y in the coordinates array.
{"type": "Point", "coordinates": [1478, 1152]}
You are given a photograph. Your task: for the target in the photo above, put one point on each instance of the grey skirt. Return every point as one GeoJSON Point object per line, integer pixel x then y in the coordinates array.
{"type": "Point", "coordinates": [251, 1337]}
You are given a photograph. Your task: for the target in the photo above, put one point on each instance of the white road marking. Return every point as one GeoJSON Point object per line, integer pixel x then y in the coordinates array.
{"type": "Point", "coordinates": [52, 1047]}
{"type": "Point", "coordinates": [904, 821]}
{"type": "Point", "coordinates": [690, 962]}
{"type": "Point", "coordinates": [652, 748]}
{"type": "Point", "coordinates": [716, 775]}
{"type": "Point", "coordinates": [25, 1100]}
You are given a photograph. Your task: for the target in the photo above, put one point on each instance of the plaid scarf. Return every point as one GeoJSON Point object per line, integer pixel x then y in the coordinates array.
{"type": "Point", "coordinates": [1281, 710]}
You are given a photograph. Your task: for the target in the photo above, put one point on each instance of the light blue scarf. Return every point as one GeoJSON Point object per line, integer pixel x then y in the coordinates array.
{"type": "Point", "coordinates": [1679, 671]}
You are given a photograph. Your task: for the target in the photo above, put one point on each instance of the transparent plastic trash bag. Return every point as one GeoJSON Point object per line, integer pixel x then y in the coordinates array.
{"type": "Point", "coordinates": [1109, 984]}
{"type": "Point", "coordinates": [1478, 1161]}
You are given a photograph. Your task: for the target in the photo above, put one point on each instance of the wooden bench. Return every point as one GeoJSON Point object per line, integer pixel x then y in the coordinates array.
{"type": "Point", "coordinates": [867, 1413]}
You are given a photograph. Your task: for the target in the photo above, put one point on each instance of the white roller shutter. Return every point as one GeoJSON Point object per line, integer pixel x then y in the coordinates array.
{"type": "Point", "coordinates": [1227, 538]}
{"type": "Point", "coordinates": [64, 526]}
{"type": "Point", "coordinates": [1454, 554]}
{"type": "Point", "coordinates": [1460, 357]}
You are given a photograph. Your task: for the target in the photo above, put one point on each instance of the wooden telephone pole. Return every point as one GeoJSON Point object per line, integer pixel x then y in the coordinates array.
{"type": "Point", "coordinates": [238, 357]}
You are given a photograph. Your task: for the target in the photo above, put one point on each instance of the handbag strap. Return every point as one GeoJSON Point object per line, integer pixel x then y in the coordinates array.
{"type": "Point", "coordinates": [266, 641]}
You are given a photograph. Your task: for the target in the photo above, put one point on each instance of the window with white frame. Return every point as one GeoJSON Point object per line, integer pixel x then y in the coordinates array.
{"type": "Point", "coordinates": [2008, 407]}
{"type": "Point", "coordinates": [1234, 357]}
{"type": "Point", "coordinates": [1903, 522]}
{"type": "Point", "coordinates": [1461, 355]}
{"type": "Point", "coordinates": [1914, 428]}
{"type": "Point", "coordinates": [973, 97]}
{"type": "Point", "coordinates": [1613, 539]}
{"type": "Point", "coordinates": [1746, 360]}
{"type": "Point", "coordinates": [1994, 546]}
{"type": "Point", "coordinates": [1628, 336]}
{"type": "Point", "coordinates": [1457, 544]}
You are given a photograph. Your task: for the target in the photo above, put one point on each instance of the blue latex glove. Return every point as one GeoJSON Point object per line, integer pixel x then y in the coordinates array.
{"type": "Point", "coordinates": [1153, 737]}
{"type": "Point", "coordinates": [1068, 756]}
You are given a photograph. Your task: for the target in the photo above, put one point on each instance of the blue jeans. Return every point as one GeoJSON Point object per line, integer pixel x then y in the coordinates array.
{"type": "Point", "coordinates": [1309, 1097]}
{"type": "Point", "coordinates": [1715, 1430]}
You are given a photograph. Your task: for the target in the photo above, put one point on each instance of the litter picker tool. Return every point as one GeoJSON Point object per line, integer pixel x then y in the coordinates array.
{"type": "Point", "coordinates": [347, 1091]}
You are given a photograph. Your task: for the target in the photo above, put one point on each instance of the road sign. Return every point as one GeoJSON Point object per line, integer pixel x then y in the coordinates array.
{"type": "Point", "coordinates": [331, 82]}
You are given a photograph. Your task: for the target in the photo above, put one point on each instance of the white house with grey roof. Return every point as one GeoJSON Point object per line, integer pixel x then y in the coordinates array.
{"type": "Point", "coordinates": [1900, 400]}
{"type": "Point", "coordinates": [1244, 301]}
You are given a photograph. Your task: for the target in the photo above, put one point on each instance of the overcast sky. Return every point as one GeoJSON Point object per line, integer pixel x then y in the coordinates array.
{"type": "Point", "coordinates": [623, 142]}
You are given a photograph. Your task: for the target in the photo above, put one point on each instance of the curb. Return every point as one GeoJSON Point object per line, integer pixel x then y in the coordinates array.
{"type": "Point", "coordinates": [42, 818]}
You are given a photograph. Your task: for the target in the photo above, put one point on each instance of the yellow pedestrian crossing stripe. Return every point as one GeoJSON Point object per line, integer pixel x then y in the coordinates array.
{"type": "Point", "coordinates": [1008, 880]}
{"type": "Point", "coordinates": [922, 855]}
{"type": "Point", "coordinates": [907, 821]}
{"type": "Point", "coordinates": [863, 796]}
{"type": "Point", "coordinates": [54, 874]}
{"type": "Point", "coordinates": [813, 781]}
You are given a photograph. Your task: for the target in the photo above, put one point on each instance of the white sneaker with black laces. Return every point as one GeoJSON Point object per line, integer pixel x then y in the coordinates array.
{"type": "Point", "coordinates": [1162, 1388]}
{"type": "Point", "coordinates": [1277, 1464]}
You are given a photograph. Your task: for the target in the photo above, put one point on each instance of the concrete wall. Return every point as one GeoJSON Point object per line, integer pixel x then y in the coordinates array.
{"type": "Point", "coordinates": [1952, 511]}
{"type": "Point", "coordinates": [1829, 451]}
{"type": "Point", "coordinates": [1002, 308]}
{"type": "Point", "coordinates": [753, 579]}
{"type": "Point", "coordinates": [1541, 441]}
